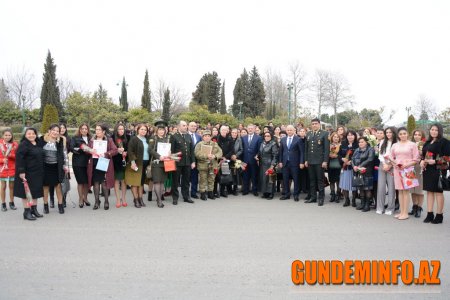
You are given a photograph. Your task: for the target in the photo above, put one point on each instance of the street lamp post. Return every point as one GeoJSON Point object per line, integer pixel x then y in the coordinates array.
{"type": "Point", "coordinates": [240, 103]}
{"type": "Point", "coordinates": [290, 86]}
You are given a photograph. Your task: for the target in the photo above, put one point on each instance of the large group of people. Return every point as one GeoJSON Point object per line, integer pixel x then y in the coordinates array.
{"type": "Point", "coordinates": [383, 169]}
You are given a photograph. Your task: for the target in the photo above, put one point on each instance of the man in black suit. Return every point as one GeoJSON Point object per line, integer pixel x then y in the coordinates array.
{"type": "Point", "coordinates": [196, 138]}
{"type": "Point", "coordinates": [291, 157]}
{"type": "Point", "coordinates": [251, 144]}
{"type": "Point", "coordinates": [316, 160]}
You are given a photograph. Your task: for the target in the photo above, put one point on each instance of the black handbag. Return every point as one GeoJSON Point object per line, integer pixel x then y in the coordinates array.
{"type": "Point", "coordinates": [443, 183]}
{"type": "Point", "coordinates": [226, 179]}
{"type": "Point", "coordinates": [358, 181]}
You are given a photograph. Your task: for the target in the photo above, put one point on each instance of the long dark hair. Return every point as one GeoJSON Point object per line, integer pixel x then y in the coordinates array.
{"type": "Point", "coordinates": [78, 132]}
{"type": "Point", "coordinates": [352, 132]}
{"type": "Point", "coordinates": [440, 132]}
{"type": "Point", "coordinates": [12, 135]}
{"type": "Point", "coordinates": [25, 133]}
{"type": "Point", "coordinates": [66, 134]}
{"type": "Point", "coordinates": [385, 140]}
{"type": "Point", "coordinates": [116, 135]}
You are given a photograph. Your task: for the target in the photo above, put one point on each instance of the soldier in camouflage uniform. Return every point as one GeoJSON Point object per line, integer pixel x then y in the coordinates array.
{"type": "Point", "coordinates": [207, 165]}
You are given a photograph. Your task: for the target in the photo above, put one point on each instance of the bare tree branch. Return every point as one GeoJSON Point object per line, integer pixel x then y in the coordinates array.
{"type": "Point", "coordinates": [22, 87]}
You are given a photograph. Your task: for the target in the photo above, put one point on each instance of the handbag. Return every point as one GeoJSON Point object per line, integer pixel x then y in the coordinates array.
{"type": "Point", "coordinates": [358, 181]}
{"type": "Point", "coordinates": [226, 179]}
{"type": "Point", "coordinates": [409, 178]}
{"type": "Point", "coordinates": [334, 164]}
{"type": "Point", "coordinates": [65, 185]}
{"type": "Point", "coordinates": [148, 171]}
{"type": "Point", "coordinates": [443, 183]}
{"type": "Point", "coordinates": [169, 165]}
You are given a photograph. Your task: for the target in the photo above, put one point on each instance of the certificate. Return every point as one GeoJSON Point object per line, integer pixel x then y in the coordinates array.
{"type": "Point", "coordinates": [100, 146]}
{"type": "Point", "coordinates": [206, 150]}
{"type": "Point", "coordinates": [164, 149]}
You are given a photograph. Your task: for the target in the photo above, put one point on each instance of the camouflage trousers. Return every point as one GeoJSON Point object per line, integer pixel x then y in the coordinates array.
{"type": "Point", "coordinates": [206, 181]}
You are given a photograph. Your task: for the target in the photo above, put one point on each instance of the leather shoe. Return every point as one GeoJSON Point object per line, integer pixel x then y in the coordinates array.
{"type": "Point", "coordinates": [285, 198]}
{"type": "Point", "coordinates": [308, 197]}
{"type": "Point", "coordinates": [311, 201]}
{"type": "Point", "coordinates": [188, 201]}
{"type": "Point", "coordinates": [296, 198]}
{"type": "Point", "coordinates": [255, 194]}
{"type": "Point", "coordinates": [244, 193]}
{"type": "Point", "coordinates": [320, 202]}
{"type": "Point", "coordinates": [194, 196]}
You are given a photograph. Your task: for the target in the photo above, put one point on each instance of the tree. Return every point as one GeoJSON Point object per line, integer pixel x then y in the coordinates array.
{"type": "Point", "coordinates": [166, 106]}
{"type": "Point", "coordinates": [338, 91]}
{"type": "Point", "coordinates": [146, 95]}
{"type": "Point", "coordinates": [139, 114]}
{"type": "Point", "coordinates": [411, 124]}
{"type": "Point", "coordinates": [444, 116]}
{"type": "Point", "coordinates": [20, 85]}
{"type": "Point", "coordinates": [50, 117]}
{"type": "Point", "coordinates": [178, 99]}
{"type": "Point", "coordinates": [241, 96]}
{"type": "Point", "coordinates": [223, 105]}
{"type": "Point", "coordinates": [50, 90]}
{"type": "Point", "coordinates": [257, 95]}
{"type": "Point", "coordinates": [208, 92]}
{"type": "Point", "coordinates": [319, 86]}
{"type": "Point", "coordinates": [424, 108]}
{"type": "Point", "coordinates": [123, 99]}
{"type": "Point", "coordinates": [298, 79]}
{"type": "Point", "coordinates": [276, 94]}
{"type": "Point", "coordinates": [4, 93]}
{"type": "Point", "coordinates": [101, 94]}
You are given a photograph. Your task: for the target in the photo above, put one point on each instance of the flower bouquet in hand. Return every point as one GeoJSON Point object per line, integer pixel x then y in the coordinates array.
{"type": "Point", "coordinates": [348, 156]}
{"type": "Point", "coordinates": [28, 193]}
{"type": "Point", "coordinates": [6, 150]}
{"type": "Point", "coordinates": [272, 174]}
{"type": "Point", "coordinates": [124, 153]}
{"type": "Point", "coordinates": [176, 157]}
{"type": "Point", "coordinates": [361, 170]}
{"type": "Point", "coordinates": [86, 148]}
{"type": "Point", "coordinates": [239, 164]}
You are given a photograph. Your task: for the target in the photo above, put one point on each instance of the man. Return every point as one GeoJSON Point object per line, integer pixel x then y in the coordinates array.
{"type": "Point", "coordinates": [291, 157]}
{"type": "Point", "coordinates": [251, 144]}
{"type": "Point", "coordinates": [316, 160]}
{"type": "Point", "coordinates": [226, 143]}
{"type": "Point", "coordinates": [181, 142]}
{"type": "Point", "coordinates": [196, 138]}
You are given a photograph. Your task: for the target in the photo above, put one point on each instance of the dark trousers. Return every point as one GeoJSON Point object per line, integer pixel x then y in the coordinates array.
{"type": "Point", "coordinates": [304, 180]}
{"type": "Point", "coordinates": [290, 171]}
{"type": "Point", "coordinates": [252, 174]}
{"type": "Point", "coordinates": [185, 173]}
{"type": "Point", "coordinates": [316, 174]}
{"type": "Point", "coordinates": [194, 182]}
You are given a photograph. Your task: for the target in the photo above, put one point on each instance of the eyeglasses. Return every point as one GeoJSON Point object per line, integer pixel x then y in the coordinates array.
{"type": "Point", "coordinates": [267, 136]}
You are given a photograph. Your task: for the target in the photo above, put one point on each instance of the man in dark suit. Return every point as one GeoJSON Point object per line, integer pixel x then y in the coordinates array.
{"type": "Point", "coordinates": [181, 142]}
{"type": "Point", "coordinates": [316, 160]}
{"type": "Point", "coordinates": [196, 138]}
{"type": "Point", "coordinates": [251, 144]}
{"type": "Point", "coordinates": [291, 157]}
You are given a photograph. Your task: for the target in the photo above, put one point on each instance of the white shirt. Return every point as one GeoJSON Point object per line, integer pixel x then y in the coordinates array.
{"type": "Point", "coordinates": [388, 150]}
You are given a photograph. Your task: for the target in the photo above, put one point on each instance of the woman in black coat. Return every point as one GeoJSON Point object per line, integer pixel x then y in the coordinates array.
{"type": "Point", "coordinates": [226, 143]}
{"type": "Point", "coordinates": [80, 161]}
{"type": "Point", "coordinates": [363, 162]}
{"type": "Point", "coordinates": [30, 169]}
{"type": "Point", "coordinates": [268, 159]}
{"type": "Point", "coordinates": [55, 164]}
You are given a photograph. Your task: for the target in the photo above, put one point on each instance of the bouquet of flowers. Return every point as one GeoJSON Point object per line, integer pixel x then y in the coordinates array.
{"type": "Point", "coordinates": [272, 175]}
{"type": "Point", "coordinates": [6, 152]}
{"type": "Point", "coordinates": [442, 162]}
{"type": "Point", "coordinates": [28, 193]}
{"type": "Point", "coordinates": [420, 146]}
{"type": "Point", "coordinates": [334, 149]}
{"type": "Point", "coordinates": [348, 156]}
{"type": "Point", "coordinates": [124, 153]}
{"type": "Point", "coordinates": [239, 164]}
{"type": "Point", "coordinates": [372, 140]}
{"type": "Point", "coordinates": [362, 171]}
{"type": "Point", "coordinates": [429, 155]}
{"type": "Point", "coordinates": [86, 148]}
{"type": "Point", "coordinates": [176, 157]}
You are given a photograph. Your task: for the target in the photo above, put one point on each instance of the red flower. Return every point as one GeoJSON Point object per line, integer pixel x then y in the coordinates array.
{"type": "Point", "coordinates": [429, 155]}
{"type": "Point", "coordinates": [376, 168]}
{"type": "Point", "coordinates": [362, 171]}
{"type": "Point", "coordinates": [216, 171]}
{"type": "Point", "coordinates": [269, 172]}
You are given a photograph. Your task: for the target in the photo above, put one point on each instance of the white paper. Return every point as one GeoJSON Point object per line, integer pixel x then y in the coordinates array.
{"type": "Point", "coordinates": [164, 149]}
{"type": "Point", "coordinates": [100, 146]}
{"type": "Point", "coordinates": [102, 164]}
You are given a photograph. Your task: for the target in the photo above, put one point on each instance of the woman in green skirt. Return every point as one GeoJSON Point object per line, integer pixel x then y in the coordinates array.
{"type": "Point", "coordinates": [159, 176]}
{"type": "Point", "coordinates": [121, 142]}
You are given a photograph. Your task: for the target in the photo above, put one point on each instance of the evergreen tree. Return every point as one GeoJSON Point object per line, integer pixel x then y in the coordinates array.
{"type": "Point", "coordinates": [123, 99]}
{"type": "Point", "coordinates": [257, 95]}
{"type": "Point", "coordinates": [4, 93]}
{"type": "Point", "coordinates": [411, 124]}
{"type": "Point", "coordinates": [166, 106]}
{"type": "Point", "coordinates": [223, 105]}
{"type": "Point", "coordinates": [50, 117]}
{"type": "Point", "coordinates": [208, 92]}
{"type": "Point", "coordinates": [50, 90]}
{"type": "Point", "coordinates": [146, 98]}
{"type": "Point", "coordinates": [101, 94]}
{"type": "Point", "coordinates": [241, 95]}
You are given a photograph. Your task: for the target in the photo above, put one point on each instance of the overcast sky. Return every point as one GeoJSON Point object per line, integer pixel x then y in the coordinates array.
{"type": "Point", "coordinates": [390, 51]}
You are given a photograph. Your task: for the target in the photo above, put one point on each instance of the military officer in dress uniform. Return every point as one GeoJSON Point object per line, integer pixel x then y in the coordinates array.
{"type": "Point", "coordinates": [316, 160]}
{"type": "Point", "coordinates": [207, 165]}
{"type": "Point", "coordinates": [181, 142]}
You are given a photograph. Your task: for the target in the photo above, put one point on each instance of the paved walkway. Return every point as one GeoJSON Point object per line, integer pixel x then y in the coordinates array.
{"type": "Point", "coordinates": [234, 248]}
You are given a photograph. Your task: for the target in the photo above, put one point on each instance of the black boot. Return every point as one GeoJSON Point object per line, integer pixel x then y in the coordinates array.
{"type": "Point", "coordinates": [353, 201]}
{"type": "Point", "coordinates": [270, 196]}
{"type": "Point", "coordinates": [336, 198]}
{"type": "Point", "coordinates": [4, 207]}
{"type": "Point", "coordinates": [429, 218]}
{"type": "Point", "coordinates": [136, 203]}
{"type": "Point", "coordinates": [413, 210]}
{"type": "Point", "coordinates": [418, 211]}
{"type": "Point", "coordinates": [223, 192]}
{"type": "Point", "coordinates": [235, 193]}
{"type": "Point", "coordinates": [27, 215]}
{"type": "Point", "coordinates": [211, 195]}
{"type": "Point", "coordinates": [35, 212]}
{"type": "Point", "coordinates": [141, 202]}
{"type": "Point", "coordinates": [97, 203]}
{"type": "Point", "coordinates": [347, 202]}
{"type": "Point", "coordinates": [106, 204]}
{"type": "Point", "coordinates": [61, 208]}
{"type": "Point", "coordinates": [203, 196]}
{"type": "Point", "coordinates": [438, 219]}
{"type": "Point", "coordinates": [64, 201]}
{"type": "Point", "coordinates": [366, 207]}
{"type": "Point", "coordinates": [46, 211]}
{"type": "Point", "coordinates": [361, 204]}
{"type": "Point", "coordinates": [12, 206]}
{"type": "Point", "coordinates": [332, 197]}
{"type": "Point", "coordinates": [150, 196]}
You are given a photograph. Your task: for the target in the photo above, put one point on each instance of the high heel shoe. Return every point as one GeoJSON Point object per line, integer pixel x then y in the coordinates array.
{"type": "Point", "coordinates": [87, 203]}
{"type": "Point", "coordinates": [106, 205]}
{"type": "Point", "coordinates": [118, 205]}
{"type": "Point", "coordinates": [124, 203]}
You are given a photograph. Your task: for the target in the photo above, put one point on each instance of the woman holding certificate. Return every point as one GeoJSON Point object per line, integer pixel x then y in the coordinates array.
{"type": "Point", "coordinates": [159, 150]}
{"type": "Point", "coordinates": [138, 156]}
{"type": "Point", "coordinates": [100, 166]}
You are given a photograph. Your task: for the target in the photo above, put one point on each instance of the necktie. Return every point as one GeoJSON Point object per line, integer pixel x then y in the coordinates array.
{"type": "Point", "coordinates": [193, 138]}
{"type": "Point", "coordinates": [250, 139]}
{"type": "Point", "coordinates": [289, 143]}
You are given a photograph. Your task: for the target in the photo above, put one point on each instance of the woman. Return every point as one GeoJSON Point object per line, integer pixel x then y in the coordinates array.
{"type": "Point", "coordinates": [385, 175]}
{"type": "Point", "coordinates": [341, 131]}
{"type": "Point", "coordinates": [418, 137]}
{"type": "Point", "coordinates": [334, 166]}
{"type": "Point", "coordinates": [101, 147]}
{"type": "Point", "coordinates": [29, 169]}
{"type": "Point", "coordinates": [119, 160]}
{"type": "Point", "coordinates": [80, 162]}
{"type": "Point", "coordinates": [238, 149]}
{"type": "Point", "coordinates": [362, 162]}
{"type": "Point", "coordinates": [159, 176]}
{"type": "Point", "coordinates": [435, 146]}
{"type": "Point", "coordinates": [226, 143]}
{"type": "Point", "coordinates": [268, 159]}
{"type": "Point", "coordinates": [404, 154]}
{"type": "Point", "coordinates": [276, 134]}
{"type": "Point", "coordinates": [8, 149]}
{"type": "Point", "coordinates": [346, 151]}
{"type": "Point", "coordinates": [139, 157]}
{"type": "Point", "coordinates": [55, 164]}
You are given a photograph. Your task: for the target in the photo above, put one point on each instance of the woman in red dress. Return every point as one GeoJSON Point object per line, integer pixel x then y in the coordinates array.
{"type": "Point", "coordinates": [8, 148]}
